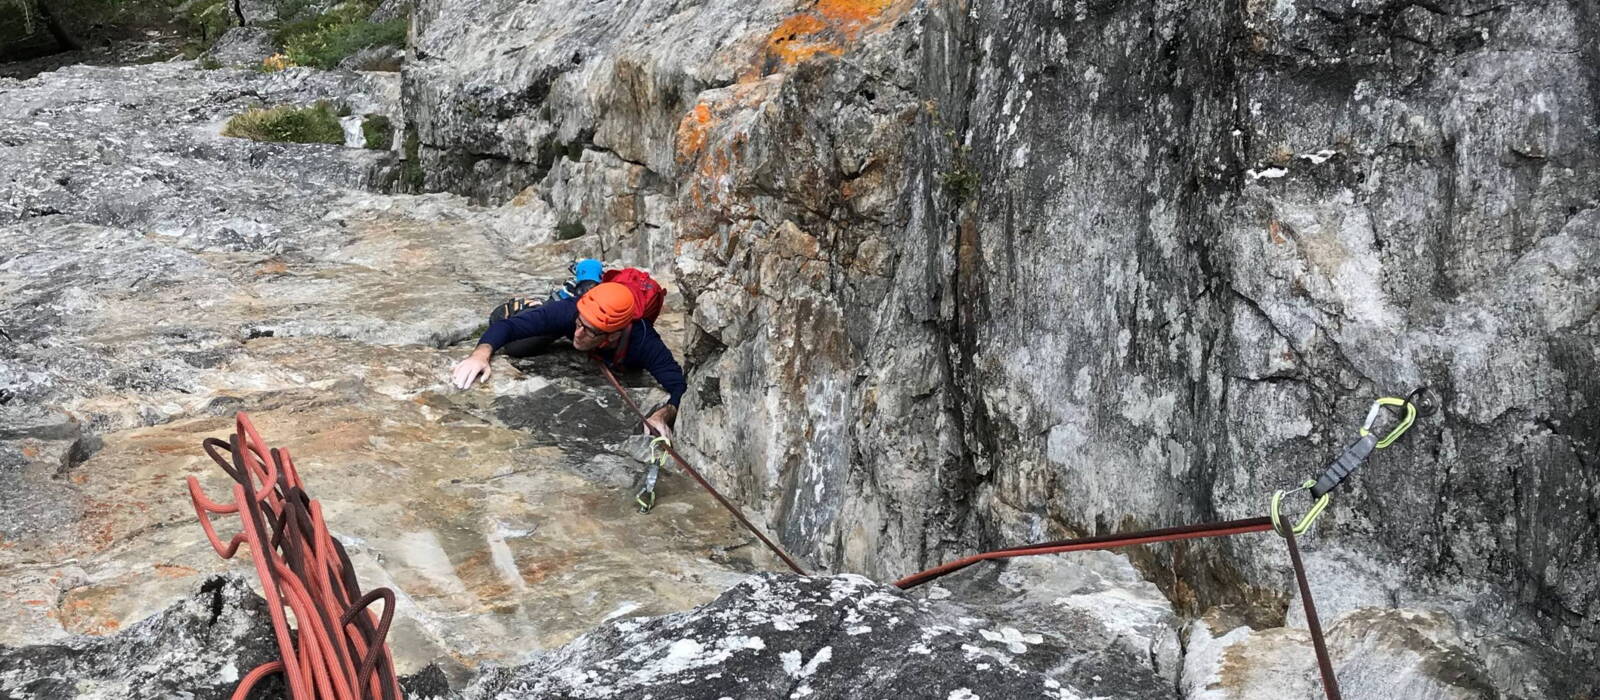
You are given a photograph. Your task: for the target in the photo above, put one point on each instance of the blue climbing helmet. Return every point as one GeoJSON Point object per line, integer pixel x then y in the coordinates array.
{"type": "Point", "coordinates": [585, 274]}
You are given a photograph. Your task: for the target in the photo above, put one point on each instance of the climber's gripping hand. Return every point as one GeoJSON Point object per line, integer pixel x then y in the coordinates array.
{"type": "Point", "coordinates": [475, 367]}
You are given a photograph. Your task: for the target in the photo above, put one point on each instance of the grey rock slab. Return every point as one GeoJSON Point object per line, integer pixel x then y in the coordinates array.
{"type": "Point", "coordinates": [1093, 602]}
{"type": "Point", "coordinates": [140, 147]}
{"type": "Point", "coordinates": [242, 46]}
{"type": "Point", "coordinates": [199, 647]}
{"type": "Point", "coordinates": [374, 58]}
{"type": "Point", "coordinates": [781, 636]}
{"type": "Point", "coordinates": [1376, 653]}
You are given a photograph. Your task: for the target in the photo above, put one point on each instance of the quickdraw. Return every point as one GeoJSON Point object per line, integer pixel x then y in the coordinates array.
{"type": "Point", "coordinates": [1321, 487]}
{"type": "Point", "coordinates": [646, 498]}
{"type": "Point", "coordinates": [1345, 464]}
{"type": "Point", "coordinates": [695, 473]}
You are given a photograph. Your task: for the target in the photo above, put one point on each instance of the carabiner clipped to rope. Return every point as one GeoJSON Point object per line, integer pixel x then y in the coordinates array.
{"type": "Point", "coordinates": [1299, 528]}
{"type": "Point", "coordinates": [646, 498]}
{"type": "Point", "coordinates": [1345, 464]}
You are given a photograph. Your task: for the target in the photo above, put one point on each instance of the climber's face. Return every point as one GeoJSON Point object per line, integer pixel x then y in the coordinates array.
{"type": "Point", "coordinates": [586, 339]}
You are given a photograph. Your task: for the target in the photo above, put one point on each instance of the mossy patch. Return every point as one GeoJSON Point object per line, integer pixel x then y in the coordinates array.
{"type": "Point", "coordinates": [378, 131]}
{"type": "Point", "coordinates": [411, 176]}
{"type": "Point", "coordinates": [568, 230]}
{"type": "Point", "coordinates": [318, 123]}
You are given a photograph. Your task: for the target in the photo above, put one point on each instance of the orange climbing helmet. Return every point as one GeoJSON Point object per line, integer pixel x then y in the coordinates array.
{"type": "Point", "coordinates": [607, 308]}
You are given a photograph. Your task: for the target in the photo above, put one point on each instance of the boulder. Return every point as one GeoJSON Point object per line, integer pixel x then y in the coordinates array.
{"type": "Point", "coordinates": [242, 46]}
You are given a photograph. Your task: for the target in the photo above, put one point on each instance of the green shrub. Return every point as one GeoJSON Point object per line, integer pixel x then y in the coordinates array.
{"type": "Point", "coordinates": [378, 132]}
{"type": "Point", "coordinates": [324, 40]}
{"type": "Point", "coordinates": [23, 29]}
{"type": "Point", "coordinates": [315, 124]}
{"type": "Point", "coordinates": [206, 21]}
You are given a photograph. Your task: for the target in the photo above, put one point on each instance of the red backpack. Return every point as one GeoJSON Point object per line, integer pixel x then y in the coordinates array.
{"type": "Point", "coordinates": [647, 293]}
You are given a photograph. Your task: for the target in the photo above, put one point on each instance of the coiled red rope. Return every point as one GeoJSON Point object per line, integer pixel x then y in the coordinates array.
{"type": "Point", "coordinates": [336, 650]}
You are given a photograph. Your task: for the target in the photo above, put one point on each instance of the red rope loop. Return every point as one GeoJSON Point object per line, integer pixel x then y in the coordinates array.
{"type": "Point", "coordinates": [336, 651]}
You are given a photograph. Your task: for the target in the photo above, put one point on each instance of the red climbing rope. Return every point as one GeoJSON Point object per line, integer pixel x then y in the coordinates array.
{"type": "Point", "coordinates": [1330, 685]}
{"type": "Point", "coordinates": [696, 474]}
{"type": "Point", "coordinates": [1171, 534]}
{"type": "Point", "coordinates": [1338, 471]}
{"type": "Point", "coordinates": [336, 649]}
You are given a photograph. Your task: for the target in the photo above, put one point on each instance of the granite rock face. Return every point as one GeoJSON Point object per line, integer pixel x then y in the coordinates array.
{"type": "Point", "coordinates": [964, 274]}
{"type": "Point", "coordinates": [197, 648]}
{"type": "Point", "coordinates": [781, 636]}
{"type": "Point", "coordinates": [156, 277]}
{"type": "Point", "coordinates": [242, 46]}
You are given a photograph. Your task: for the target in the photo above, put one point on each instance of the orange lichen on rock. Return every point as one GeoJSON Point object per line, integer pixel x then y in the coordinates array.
{"type": "Point", "coordinates": [858, 11]}
{"type": "Point", "coordinates": [692, 131]}
{"type": "Point", "coordinates": [827, 27]}
{"type": "Point", "coordinates": [802, 37]}
{"type": "Point", "coordinates": [712, 136]}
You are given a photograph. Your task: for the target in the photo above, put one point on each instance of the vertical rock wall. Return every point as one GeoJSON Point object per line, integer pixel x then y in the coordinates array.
{"type": "Point", "coordinates": [968, 273]}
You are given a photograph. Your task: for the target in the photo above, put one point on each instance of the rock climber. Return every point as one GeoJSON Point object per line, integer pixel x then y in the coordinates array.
{"type": "Point", "coordinates": [597, 317]}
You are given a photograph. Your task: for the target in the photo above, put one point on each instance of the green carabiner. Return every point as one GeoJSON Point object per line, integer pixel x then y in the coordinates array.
{"type": "Point", "coordinates": [658, 448]}
{"type": "Point", "coordinates": [1405, 424]}
{"type": "Point", "coordinates": [1306, 520]}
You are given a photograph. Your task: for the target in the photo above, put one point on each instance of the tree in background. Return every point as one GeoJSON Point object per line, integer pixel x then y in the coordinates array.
{"type": "Point", "coordinates": [25, 34]}
{"type": "Point", "coordinates": [30, 28]}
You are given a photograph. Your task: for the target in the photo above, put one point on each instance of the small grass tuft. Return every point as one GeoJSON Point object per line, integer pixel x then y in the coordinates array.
{"type": "Point", "coordinates": [285, 123]}
{"type": "Point", "coordinates": [378, 131]}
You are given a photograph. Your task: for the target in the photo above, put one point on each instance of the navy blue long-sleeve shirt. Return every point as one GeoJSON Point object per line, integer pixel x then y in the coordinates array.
{"type": "Point", "coordinates": [559, 318]}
